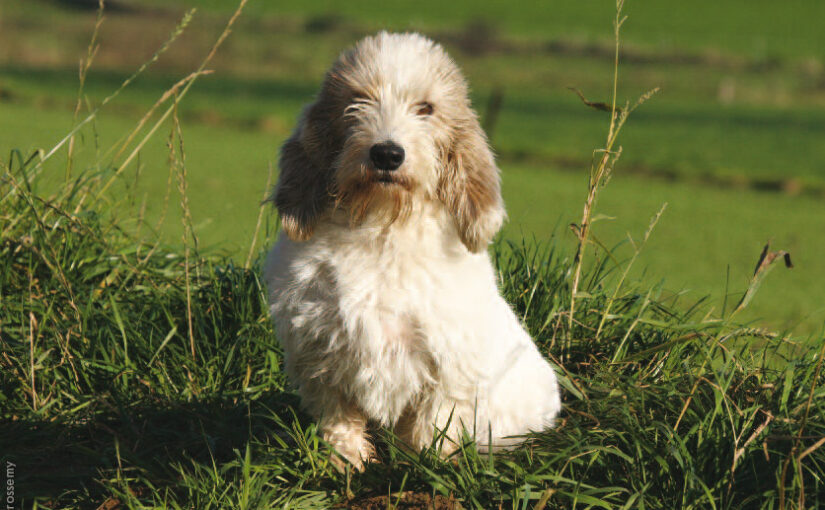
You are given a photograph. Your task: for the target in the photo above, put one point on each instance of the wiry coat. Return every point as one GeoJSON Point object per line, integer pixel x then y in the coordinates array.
{"type": "Point", "coordinates": [381, 289]}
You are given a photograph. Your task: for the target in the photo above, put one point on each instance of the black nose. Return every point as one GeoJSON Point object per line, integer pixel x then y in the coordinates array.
{"type": "Point", "coordinates": [387, 155]}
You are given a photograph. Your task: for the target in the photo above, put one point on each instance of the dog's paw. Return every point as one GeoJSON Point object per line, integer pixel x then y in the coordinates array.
{"type": "Point", "coordinates": [357, 457]}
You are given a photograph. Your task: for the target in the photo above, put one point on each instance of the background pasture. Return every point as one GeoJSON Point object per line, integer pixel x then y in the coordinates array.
{"type": "Point", "coordinates": [733, 143]}
{"type": "Point", "coordinates": [139, 368]}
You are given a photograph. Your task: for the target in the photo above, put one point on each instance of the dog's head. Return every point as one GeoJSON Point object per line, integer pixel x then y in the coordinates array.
{"type": "Point", "coordinates": [391, 125]}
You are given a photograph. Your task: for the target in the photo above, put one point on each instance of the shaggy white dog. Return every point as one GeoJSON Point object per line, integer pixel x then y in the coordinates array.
{"type": "Point", "coordinates": [380, 285]}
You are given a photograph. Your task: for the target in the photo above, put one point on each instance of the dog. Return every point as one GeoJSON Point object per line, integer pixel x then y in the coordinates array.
{"type": "Point", "coordinates": [380, 285]}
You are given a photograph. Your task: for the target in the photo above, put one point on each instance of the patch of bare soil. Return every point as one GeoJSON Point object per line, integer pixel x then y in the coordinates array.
{"type": "Point", "coordinates": [406, 501]}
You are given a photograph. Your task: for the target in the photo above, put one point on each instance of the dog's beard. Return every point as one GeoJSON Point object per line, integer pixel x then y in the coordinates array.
{"type": "Point", "coordinates": [373, 195]}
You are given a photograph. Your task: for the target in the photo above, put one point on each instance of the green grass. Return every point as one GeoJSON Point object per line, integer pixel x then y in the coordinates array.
{"type": "Point", "coordinates": [751, 27]}
{"type": "Point", "coordinates": [139, 369]}
{"type": "Point", "coordinates": [707, 157]}
{"type": "Point", "coordinates": [686, 138]}
{"type": "Point", "coordinates": [693, 249]}
{"type": "Point", "coordinates": [544, 145]}
{"type": "Point", "coordinates": [103, 403]}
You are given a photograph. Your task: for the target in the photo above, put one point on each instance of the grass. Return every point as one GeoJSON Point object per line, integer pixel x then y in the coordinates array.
{"type": "Point", "coordinates": [138, 373]}
{"type": "Point", "coordinates": [539, 200]}
{"type": "Point", "coordinates": [691, 223]}
{"type": "Point", "coordinates": [104, 404]}
{"type": "Point", "coordinates": [735, 142]}
{"type": "Point", "coordinates": [758, 27]}
{"type": "Point", "coordinates": [736, 129]}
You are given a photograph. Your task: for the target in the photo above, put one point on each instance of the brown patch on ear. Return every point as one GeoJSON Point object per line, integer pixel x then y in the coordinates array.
{"type": "Point", "coordinates": [470, 186]}
{"type": "Point", "coordinates": [302, 193]}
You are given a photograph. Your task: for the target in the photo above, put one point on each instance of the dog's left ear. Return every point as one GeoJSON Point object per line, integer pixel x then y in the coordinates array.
{"type": "Point", "coordinates": [470, 186]}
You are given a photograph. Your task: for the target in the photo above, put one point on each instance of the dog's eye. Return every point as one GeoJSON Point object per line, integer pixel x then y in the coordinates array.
{"type": "Point", "coordinates": [359, 97]}
{"type": "Point", "coordinates": [424, 109]}
{"type": "Point", "coordinates": [357, 103]}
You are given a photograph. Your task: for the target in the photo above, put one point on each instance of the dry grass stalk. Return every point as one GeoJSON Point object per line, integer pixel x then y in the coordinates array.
{"type": "Point", "coordinates": [602, 168]}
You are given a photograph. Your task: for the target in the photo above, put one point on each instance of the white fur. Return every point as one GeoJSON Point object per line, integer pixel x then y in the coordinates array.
{"type": "Point", "coordinates": [395, 321]}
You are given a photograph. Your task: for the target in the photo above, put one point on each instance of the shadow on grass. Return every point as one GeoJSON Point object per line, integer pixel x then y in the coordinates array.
{"type": "Point", "coordinates": [144, 440]}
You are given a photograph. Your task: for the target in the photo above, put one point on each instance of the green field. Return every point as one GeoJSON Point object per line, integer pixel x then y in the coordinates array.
{"type": "Point", "coordinates": [733, 142]}
{"type": "Point", "coordinates": [139, 369]}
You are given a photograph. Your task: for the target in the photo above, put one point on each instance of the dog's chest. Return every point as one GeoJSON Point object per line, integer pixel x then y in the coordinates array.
{"type": "Point", "coordinates": [391, 357]}
{"type": "Point", "coordinates": [398, 281]}
{"type": "Point", "coordinates": [387, 295]}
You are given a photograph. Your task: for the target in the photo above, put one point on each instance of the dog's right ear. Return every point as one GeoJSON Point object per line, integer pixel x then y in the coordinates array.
{"type": "Point", "coordinates": [302, 193]}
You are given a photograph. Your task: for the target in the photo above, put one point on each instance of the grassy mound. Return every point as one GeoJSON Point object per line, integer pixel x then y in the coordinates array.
{"type": "Point", "coordinates": [104, 402]}
{"type": "Point", "coordinates": [136, 375]}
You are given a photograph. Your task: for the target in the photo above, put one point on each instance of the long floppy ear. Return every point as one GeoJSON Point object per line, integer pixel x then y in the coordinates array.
{"type": "Point", "coordinates": [470, 186]}
{"type": "Point", "coordinates": [302, 193]}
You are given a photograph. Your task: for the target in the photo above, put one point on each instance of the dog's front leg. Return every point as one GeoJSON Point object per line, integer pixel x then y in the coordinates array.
{"type": "Point", "coordinates": [344, 427]}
